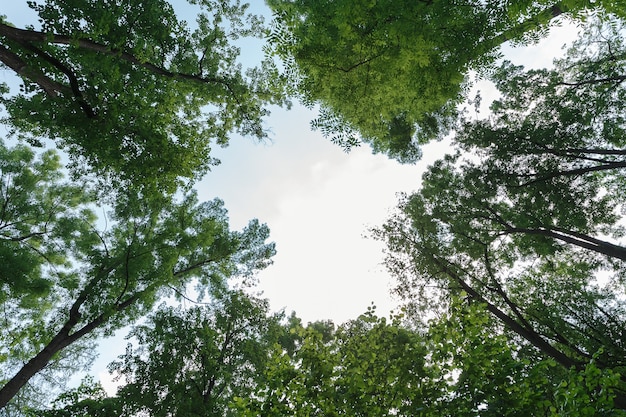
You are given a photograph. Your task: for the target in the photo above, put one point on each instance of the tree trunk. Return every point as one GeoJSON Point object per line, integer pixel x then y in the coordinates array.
{"type": "Point", "coordinates": [36, 364]}
{"type": "Point", "coordinates": [60, 341]}
{"type": "Point", "coordinates": [527, 333]}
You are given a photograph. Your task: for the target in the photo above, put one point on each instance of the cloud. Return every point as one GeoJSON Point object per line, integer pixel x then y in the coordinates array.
{"type": "Point", "coordinates": [110, 386]}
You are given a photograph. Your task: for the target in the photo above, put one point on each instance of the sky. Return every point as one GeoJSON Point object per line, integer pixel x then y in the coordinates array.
{"type": "Point", "coordinates": [318, 201]}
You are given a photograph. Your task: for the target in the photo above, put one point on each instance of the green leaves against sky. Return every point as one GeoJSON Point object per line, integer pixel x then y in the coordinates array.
{"type": "Point", "coordinates": [509, 259]}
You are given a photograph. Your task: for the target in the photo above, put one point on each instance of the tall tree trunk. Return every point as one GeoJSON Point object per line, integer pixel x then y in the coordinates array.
{"type": "Point", "coordinates": [61, 340]}
{"type": "Point", "coordinates": [36, 364]}
{"type": "Point", "coordinates": [527, 333]}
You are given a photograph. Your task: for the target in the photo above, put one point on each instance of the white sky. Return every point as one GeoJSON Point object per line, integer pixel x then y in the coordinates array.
{"type": "Point", "coordinates": [318, 202]}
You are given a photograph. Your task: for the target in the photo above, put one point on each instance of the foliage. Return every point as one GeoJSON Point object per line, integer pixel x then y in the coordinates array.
{"type": "Point", "coordinates": [527, 224]}
{"type": "Point", "coordinates": [195, 361]}
{"type": "Point", "coordinates": [368, 366]}
{"type": "Point", "coordinates": [150, 249]}
{"type": "Point", "coordinates": [509, 257]}
{"type": "Point", "coordinates": [130, 91]}
{"type": "Point", "coordinates": [186, 362]}
{"type": "Point", "coordinates": [233, 358]}
{"type": "Point", "coordinates": [87, 400]}
{"type": "Point", "coordinates": [45, 225]}
{"type": "Point", "coordinates": [42, 221]}
{"type": "Point", "coordinates": [489, 373]}
{"type": "Point", "coordinates": [391, 73]}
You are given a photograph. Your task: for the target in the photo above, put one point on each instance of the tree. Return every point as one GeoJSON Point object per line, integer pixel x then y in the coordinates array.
{"type": "Point", "coordinates": [566, 153]}
{"type": "Point", "coordinates": [88, 399]}
{"type": "Point", "coordinates": [130, 91]}
{"type": "Point", "coordinates": [528, 223]}
{"type": "Point", "coordinates": [187, 362]}
{"type": "Point", "coordinates": [89, 282]}
{"type": "Point", "coordinates": [368, 366]}
{"type": "Point", "coordinates": [42, 223]}
{"type": "Point", "coordinates": [196, 361]}
{"type": "Point", "coordinates": [234, 358]}
{"type": "Point", "coordinates": [393, 73]}
{"type": "Point", "coordinates": [490, 373]}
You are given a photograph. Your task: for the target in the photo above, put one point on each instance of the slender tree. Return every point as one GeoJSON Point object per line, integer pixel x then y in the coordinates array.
{"type": "Point", "coordinates": [528, 223]}
{"type": "Point", "coordinates": [77, 282]}
{"type": "Point", "coordinates": [195, 362]}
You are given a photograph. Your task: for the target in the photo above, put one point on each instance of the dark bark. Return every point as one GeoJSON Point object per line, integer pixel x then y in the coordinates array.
{"type": "Point", "coordinates": [33, 36]}
{"type": "Point", "coordinates": [620, 401]}
{"type": "Point", "coordinates": [568, 236]}
{"type": "Point", "coordinates": [66, 337]}
{"type": "Point", "coordinates": [28, 38]}
{"type": "Point", "coordinates": [69, 73]}
{"type": "Point", "coordinates": [574, 238]}
{"type": "Point", "coordinates": [17, 64]}
{"type": "Point", "coordinates": [577, 171]}
{"type": "Point", "coordinates": [615, 79]}
{"type": "Point", "coordinates": [528, 334]}
{"type": "Point", "coordinates": [60, 341]}
{"type": "Point", "coordinates": [575, 153]}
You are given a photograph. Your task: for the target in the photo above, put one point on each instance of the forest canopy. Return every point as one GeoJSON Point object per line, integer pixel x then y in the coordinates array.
{"type": "Point", "coordinates": [158, 93]}
{"type": "Point", "coordinates": [526, 219]}
{"type": "Point", "coordinates": [392, 74]}
{"type": "Point", "coordinates": [508, 259]}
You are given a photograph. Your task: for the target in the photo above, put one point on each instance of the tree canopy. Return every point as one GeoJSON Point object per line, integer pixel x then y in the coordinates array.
{"type": "Point", "coordinates": [392, 73]}
{"type": "Point", "coordinates": [233, 358]}
{"type": "Point", "coordinates": [133, 93]}
{"type": "Point", "coordinates": [135, 97]}
{"type": "Point", "coordinates": [218, 354]}
{"type": "Point", "coordinates": [509, 258]}
{"type": "Point", "coordinates": [73, 282]}
{"type": "Point", "coordinates": [527, 219]}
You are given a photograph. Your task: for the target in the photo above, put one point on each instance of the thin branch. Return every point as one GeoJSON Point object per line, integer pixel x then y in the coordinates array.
{"type": "Point", "coordinates": [500, 291]}
{"type": "Point", "coordinates": [615, 79]}
{"type": "Point", "coordinates": [574, 238]}
{"type": "Point", "coordinates": [574, 172]}
{"type": "Point", "coordinates": [190, 268]}
{"type": "Point", "coordinates": [557, 336]}
{"type": "Point", "coordinates": [533, 22]}
{"type": "Point", "coordinates": [25, 237]}
{"type": "Point", "coordinates": [358, 64]}
{"type": "Point", "coordinates": [185, 297]}
{"type": "Point", "coordinates": [69, 73]}
{"type": "Point", "coordinates": [21, 35]}
{"type": "Point", "coordinates": [530, 335]}
{"type": "Point", "coordinates": [127, 274]}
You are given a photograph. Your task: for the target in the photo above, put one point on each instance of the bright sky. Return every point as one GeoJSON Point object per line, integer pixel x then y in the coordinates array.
{"type": "Point", "coordinates": [318, 202]}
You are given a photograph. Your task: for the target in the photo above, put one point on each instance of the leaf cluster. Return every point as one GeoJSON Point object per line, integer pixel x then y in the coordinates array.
{"type": "Point", "coordinates": [392, 74]}
{"type": "Point", "coordinates": [77, 282]}
{"type": "Point", "coordinates": [526, 221]}
{"type": "Point", "coordinates": [131, 92]}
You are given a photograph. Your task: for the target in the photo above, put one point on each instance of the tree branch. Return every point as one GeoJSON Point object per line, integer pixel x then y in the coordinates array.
{"type": "Point", "coordinates": [69, 73]}
{"type": "Point", "coordinates": [575, 238]}
{"type": "Point", "coordinates": [615, 79]}
{"type": "Point", "coordinates": [17, 64]}
{"type": "Point", "coordinates": [577, 171]}
{"type": "Point", "coordinates": [528, 334]}
{"type": "Point", "coordinates": [21, 35]}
